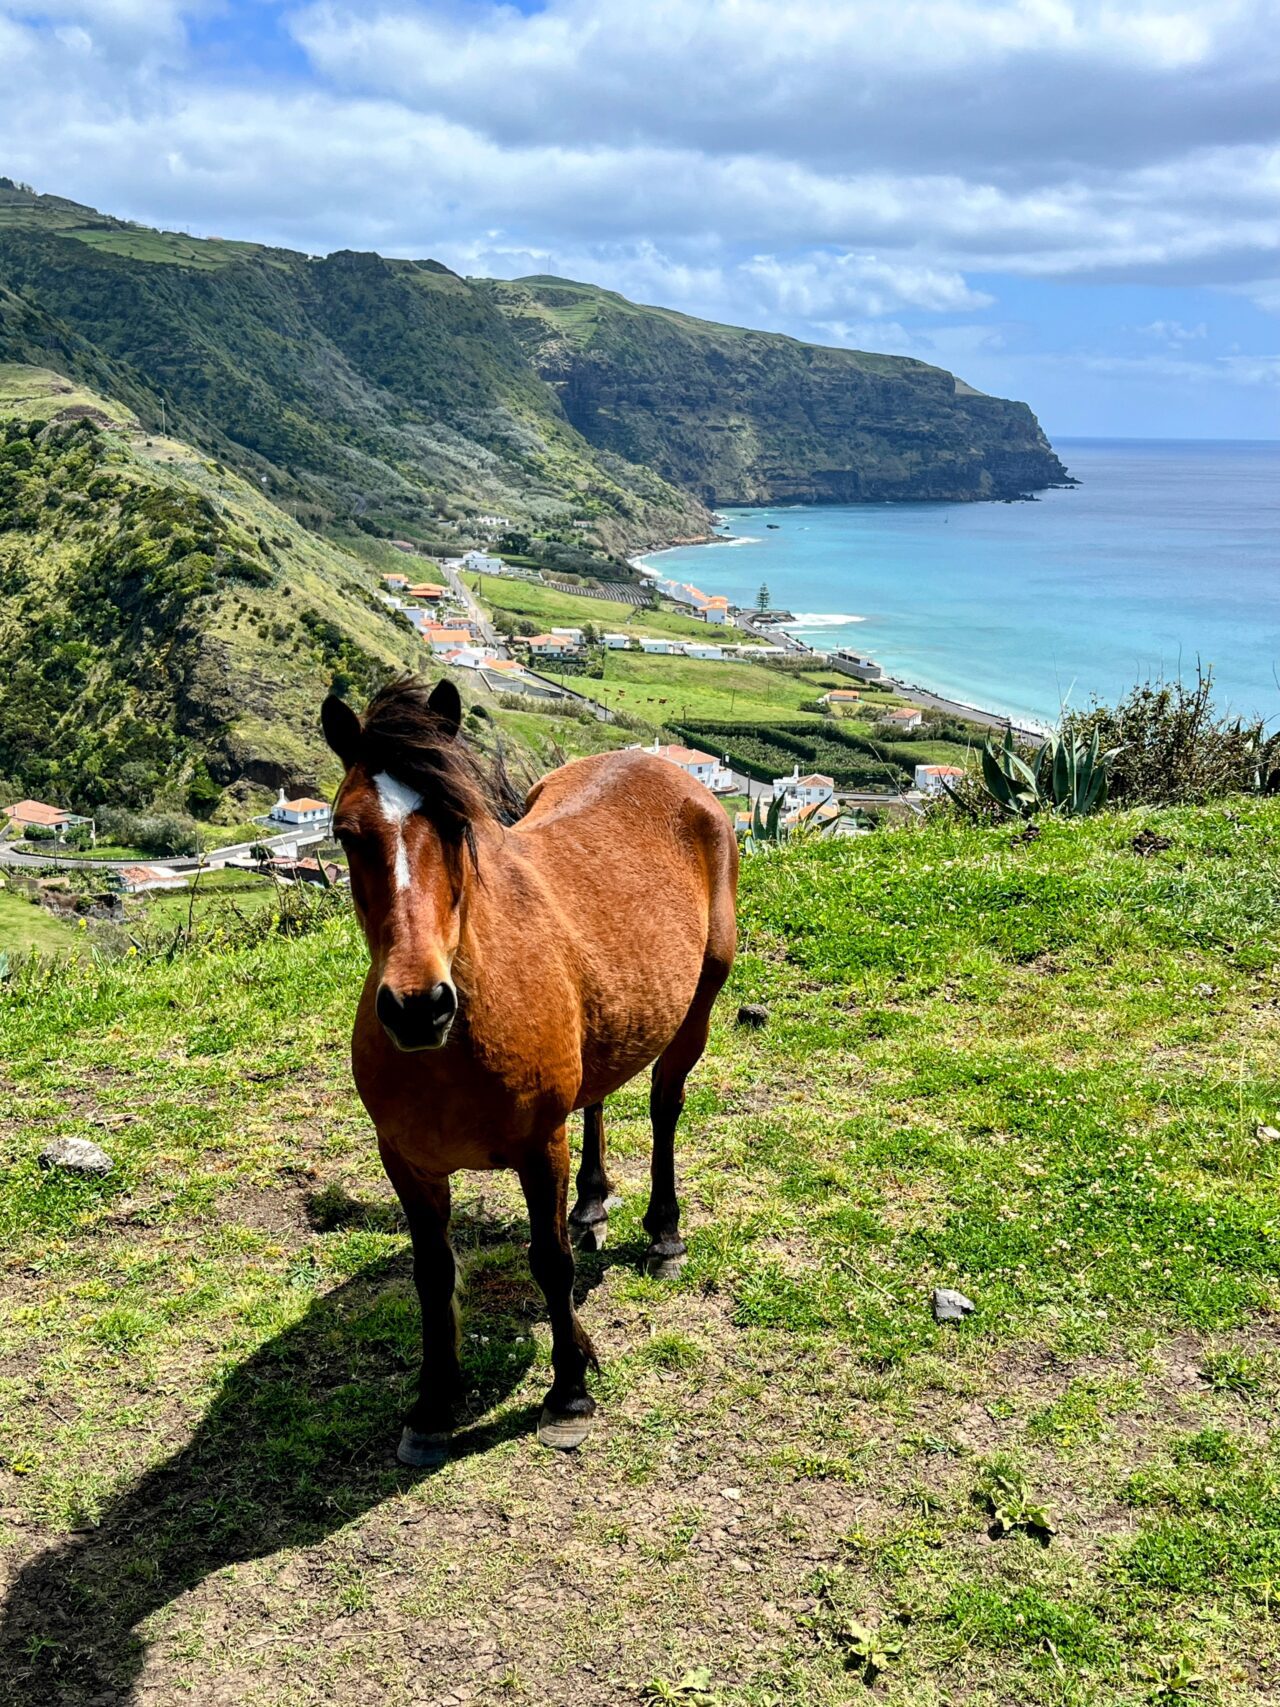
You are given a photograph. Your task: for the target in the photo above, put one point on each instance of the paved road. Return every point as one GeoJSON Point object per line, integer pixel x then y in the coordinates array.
{"type": "Point", "coordinates": [461, 591]}
{"type": "Point", "coordinates": [303, 837]}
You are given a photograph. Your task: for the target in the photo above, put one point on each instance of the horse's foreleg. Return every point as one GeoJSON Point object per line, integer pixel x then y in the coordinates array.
{"type": "Point", "coordinates": [427, 1205]}
{"type": "Point", "coordinates": [589, 1217]}
{"type": "Point", "coordinates": [545, 1180]}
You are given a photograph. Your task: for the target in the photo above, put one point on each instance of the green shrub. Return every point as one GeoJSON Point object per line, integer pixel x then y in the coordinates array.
{"type": "Point", "coordinates": [1175, 748]}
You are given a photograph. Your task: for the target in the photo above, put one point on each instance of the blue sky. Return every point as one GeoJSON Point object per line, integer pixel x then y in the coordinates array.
{"type": "Point", "coordinates": [1069, 201]}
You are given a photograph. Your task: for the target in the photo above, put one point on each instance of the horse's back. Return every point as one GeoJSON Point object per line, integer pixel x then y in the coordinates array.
{"type": "Point", "coordinates": [636, 810]}
{"type": "Point", "coordinates": [644, 864]}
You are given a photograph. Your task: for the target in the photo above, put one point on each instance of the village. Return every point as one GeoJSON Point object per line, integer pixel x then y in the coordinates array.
{"type": "Point", "coordinates": [55, 857]}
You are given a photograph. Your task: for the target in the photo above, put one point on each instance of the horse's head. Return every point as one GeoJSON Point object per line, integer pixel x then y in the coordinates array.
{"type": "Point", "coordinates": [405, 814]}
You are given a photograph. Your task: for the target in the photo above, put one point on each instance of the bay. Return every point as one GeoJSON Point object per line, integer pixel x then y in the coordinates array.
{"type": "Point", "coordinates": [1166, 555]}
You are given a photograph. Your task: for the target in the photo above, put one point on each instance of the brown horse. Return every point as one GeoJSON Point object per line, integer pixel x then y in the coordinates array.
{"type": "Point", "coordinates": [516, 974]}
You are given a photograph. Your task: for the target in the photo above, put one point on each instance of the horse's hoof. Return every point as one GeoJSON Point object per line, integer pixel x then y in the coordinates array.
{"type": "Point", "coordinates": [664, 1265]}
{"type": "Point", "coordinates": [422, 1451]}
{"type": "Point", "coordinates": [589, 1235]}
{"type": "Point", "coordinates": [562, 1433]}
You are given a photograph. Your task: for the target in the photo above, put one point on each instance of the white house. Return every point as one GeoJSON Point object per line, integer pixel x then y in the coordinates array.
{"type": "Point", "coordinates": [694, 649]}
{"type": "Point", "coordinates": [442, 639]}
{"type": "Point", "coordinates": [715, 610]}
{"type": "Point", "coordinates": [702, 767]}
{"type": "Point", "coordinates": [468, 657]}
{"type": "Point", "coordinates": [932, 779]}
{"type": "Point", "coordinates": [480, 563]}
{"type": "Point", "coordinates": [551, 646]}
{"type": "Point", "coordinates": [655, 643]}
{"type": "Point", "coordinates": [574, 634]}
{"type": "Point", "coordinates": [301, 811]}
{"type": "Point", "coordinates": [799, 792]}
{"type": "Point", "coordinates": [617, 642]}
{"type": "Point", "coordinates": [904, 717]}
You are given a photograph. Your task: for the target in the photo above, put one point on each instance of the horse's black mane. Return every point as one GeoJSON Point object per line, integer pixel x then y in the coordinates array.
{"type": "Point", "coordinates": [402, 734]}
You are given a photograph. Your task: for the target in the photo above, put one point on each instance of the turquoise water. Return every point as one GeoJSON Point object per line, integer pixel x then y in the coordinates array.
{"type": "Point", "coordinates": [1166, 552]}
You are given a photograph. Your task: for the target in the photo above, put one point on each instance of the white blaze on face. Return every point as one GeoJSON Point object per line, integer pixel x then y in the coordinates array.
{"type": "Point", "coordinates": [397, 802]}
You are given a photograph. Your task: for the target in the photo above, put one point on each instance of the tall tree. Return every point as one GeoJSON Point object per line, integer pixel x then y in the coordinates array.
{"type": "Point", "coordinates": [763, 601]}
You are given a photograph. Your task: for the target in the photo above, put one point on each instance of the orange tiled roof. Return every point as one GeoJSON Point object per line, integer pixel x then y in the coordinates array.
{"type": "Point", "coordinates": [36, 812]}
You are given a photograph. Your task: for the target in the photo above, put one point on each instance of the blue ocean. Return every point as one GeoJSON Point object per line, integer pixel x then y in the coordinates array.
{"type": "Point", "coordinates": [1166, 554]}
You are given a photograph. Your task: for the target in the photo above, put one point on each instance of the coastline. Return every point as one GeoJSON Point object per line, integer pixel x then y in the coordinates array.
{"type": "Point", "coordinates": [927, 697]}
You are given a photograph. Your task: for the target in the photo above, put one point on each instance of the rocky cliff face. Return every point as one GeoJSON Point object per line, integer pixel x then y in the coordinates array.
{"type": "Point", "coordinates": [740, 417]}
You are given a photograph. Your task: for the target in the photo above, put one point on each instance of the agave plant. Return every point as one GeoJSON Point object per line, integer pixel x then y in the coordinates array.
{"type": "Point", "coordinates": [767, 828]}
{"type": "Point", "coordinates": [1065, 775]}
{"type": "Point", "coordinates": [770, 829]}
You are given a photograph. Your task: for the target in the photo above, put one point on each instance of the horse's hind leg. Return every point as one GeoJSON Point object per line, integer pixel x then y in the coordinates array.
{"type": "Point", "coordinates": [566, 1415]}
{"type": "Point", "coordinates": [665, 1255]}
{"type": "Point", "coordinates": [589, 1217]}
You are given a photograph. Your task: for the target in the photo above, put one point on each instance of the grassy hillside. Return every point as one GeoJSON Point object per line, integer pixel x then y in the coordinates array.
{"type": "Point", "coordinates": [386, 391]}
{"type": "Point", "coordinates": [1041, 1073]}
{"type": "Point", "coordinates": [160, 620]}
{"type": "Point", "coordinates": [743, 417]}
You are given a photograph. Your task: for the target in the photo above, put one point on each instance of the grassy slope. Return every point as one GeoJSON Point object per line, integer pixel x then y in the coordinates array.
{"type": "Point", "coordinates": [547, 605]}
{"type": "Point", "coordinates": [24, 927]}
{"type": "Point", "coordinates": [1033, 1072]}
{"type": "Point", "coordinates": [252, 695]}
{"type": "Point", "coordinates": [658, 689]}
{"type": "Point", "coordinates": [361, 386]}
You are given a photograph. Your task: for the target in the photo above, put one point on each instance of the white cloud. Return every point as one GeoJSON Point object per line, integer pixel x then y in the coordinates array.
{"type": "Point", "coordinates": [852, 171]}
{"type": "Point", "coordinates": [1173, 332]}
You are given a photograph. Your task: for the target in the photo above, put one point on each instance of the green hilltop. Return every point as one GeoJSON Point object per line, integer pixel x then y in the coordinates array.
{"type": "Point", "coordinates": [388, 391]}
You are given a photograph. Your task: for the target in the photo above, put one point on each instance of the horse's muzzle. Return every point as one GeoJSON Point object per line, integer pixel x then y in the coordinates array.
{"type": "Point", "coordinates": [417, 1019]}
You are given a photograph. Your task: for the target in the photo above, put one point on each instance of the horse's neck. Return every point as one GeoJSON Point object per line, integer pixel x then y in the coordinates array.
{"type": "Point", "coordinates": [510, 924]}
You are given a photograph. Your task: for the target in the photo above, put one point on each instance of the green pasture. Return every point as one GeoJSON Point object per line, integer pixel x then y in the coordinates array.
{"type": "Point", "coordinates": [549, 606]}
{"type": "Point", "coordinates": [1045, 1074]}
{"type": "Point", "coordinates": [660, 689]}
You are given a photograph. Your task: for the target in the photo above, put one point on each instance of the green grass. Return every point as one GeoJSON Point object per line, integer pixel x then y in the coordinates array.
{"type": "Point", "coordinates": [25, 927]}
{"type": "Point", "coordinates": [660, 689]}
{"type": "Point", "coordinates": [1035, 1072]}
{"type": "Point", "coordinates": [546, 605]}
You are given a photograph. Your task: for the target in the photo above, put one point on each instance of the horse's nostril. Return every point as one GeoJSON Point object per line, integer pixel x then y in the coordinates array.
{"type": "Point", "coordinates": [417, 1019]}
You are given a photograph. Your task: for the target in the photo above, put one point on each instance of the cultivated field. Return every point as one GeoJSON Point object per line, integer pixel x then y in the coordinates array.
{"type": "Point", "coordinates": [1035, 1071]}
{"type": "Point", "coordinates": [548, 605]}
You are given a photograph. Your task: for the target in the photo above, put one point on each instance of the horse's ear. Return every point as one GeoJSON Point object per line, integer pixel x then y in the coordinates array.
{"type": "Point", "coordinates": [446, 702]}
{"type": "Point", "coordinates": [341, 728]}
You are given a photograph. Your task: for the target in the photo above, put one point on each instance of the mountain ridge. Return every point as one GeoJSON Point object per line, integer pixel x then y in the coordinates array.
{"type": "Point", "coordinates": [362, 385]}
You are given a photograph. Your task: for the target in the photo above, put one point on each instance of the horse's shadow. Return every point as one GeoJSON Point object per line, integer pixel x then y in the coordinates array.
{"type": "Point", "coordinates": [299, 1441]}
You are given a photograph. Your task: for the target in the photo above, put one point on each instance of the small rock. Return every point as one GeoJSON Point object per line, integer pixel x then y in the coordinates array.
{"type": "Point", "coordinates": [76, 1156]}
{"type": "Point", "coordinates": [1269, 1135]}
{"type": "Point", "coordinates": [753, 1015]}
{"type": "Point", "coordinates": [949, 1306]}
{"type": "Point", "coordinates": [1147, 842]}
{"type": "Point", "coordinates": [1206, 992]}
